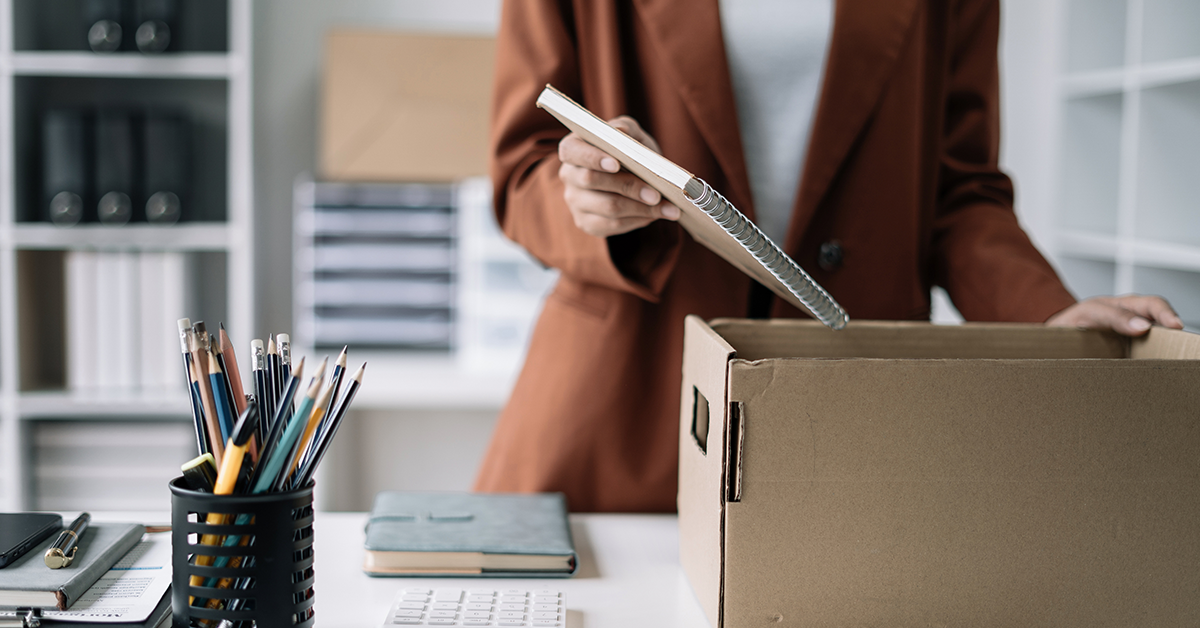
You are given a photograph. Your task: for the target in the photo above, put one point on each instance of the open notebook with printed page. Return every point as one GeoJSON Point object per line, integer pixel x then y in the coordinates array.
{"type": "Point", "coordinates": [711, 219]}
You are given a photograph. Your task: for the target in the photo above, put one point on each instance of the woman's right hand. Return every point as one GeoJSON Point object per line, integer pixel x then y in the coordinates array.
{"type": "Point", "coordinates": [603, 199]}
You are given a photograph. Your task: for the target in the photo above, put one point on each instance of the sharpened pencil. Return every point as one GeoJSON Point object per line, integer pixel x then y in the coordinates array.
{"type": "Point", "coordinates": [335, 420]}
{"type": "Point", "coordinates": [185, 332]}
{"type": "Point", "coordinates": [200, 381]}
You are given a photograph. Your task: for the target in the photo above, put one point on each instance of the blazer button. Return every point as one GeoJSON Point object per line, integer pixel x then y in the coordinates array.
{"type": "Point", "coordinates": [830, 256]}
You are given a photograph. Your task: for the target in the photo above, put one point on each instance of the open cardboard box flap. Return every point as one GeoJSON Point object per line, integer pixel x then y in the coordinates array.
{"type": "Point", "coordinates": [911, 474]}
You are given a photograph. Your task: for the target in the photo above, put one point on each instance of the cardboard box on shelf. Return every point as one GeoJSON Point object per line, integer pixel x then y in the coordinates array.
{"type": "Point", "coordinates": [906, 474]}
{"type": "Point", "coordinates": [405, 106]}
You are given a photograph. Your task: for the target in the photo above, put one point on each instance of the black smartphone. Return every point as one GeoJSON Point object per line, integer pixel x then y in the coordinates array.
{"type": "Point", "coordinates": [21, 531]}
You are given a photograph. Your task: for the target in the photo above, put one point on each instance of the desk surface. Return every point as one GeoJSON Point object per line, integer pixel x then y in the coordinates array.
{"type": "Point", "coordinates": [629, 575]}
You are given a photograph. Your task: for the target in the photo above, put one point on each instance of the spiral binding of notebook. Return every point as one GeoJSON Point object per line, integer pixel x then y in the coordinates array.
{"type": "Point", "coordinates": [798, 282]}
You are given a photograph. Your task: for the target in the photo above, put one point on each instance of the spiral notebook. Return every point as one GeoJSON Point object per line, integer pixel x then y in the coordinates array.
{"type": "Point", "coordinates": [711, 219]}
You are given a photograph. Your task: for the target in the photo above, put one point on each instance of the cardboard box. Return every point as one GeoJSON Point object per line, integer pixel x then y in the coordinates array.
{"type": "Point", "coordinates": [905, 474]}
{"type": "Point", "coordinates": [405, 106]}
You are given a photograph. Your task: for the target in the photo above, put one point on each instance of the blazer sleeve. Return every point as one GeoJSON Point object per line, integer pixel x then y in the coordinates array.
{"type": "Point", "coordinates": [981, 256]}
{"type": "Point", "coordinates": [536, 45]}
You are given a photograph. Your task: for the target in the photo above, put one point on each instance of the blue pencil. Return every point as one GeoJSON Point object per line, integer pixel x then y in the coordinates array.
{"type": "Point", "coordinates": [225, 412]}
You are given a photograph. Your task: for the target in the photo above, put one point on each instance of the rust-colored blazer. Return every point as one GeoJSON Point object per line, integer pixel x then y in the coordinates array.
{"type": "Point", "coordinates": [901, 173]}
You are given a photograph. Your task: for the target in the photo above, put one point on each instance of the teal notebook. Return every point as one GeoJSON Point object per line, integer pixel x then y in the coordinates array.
{"type": "Point", "coordinates": [29, 583]}
{"type": "Point", "coordinates": [469, 534]}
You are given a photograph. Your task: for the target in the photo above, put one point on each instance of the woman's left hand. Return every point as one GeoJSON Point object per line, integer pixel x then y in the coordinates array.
{"type": "Point", "coordinates": [1131, 314]}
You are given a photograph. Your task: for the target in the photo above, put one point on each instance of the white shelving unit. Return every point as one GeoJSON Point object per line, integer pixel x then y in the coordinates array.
{"type": "Point", "coordinates": [99, 446]}
{"type": "Point", "coordinates": [1128, 219]}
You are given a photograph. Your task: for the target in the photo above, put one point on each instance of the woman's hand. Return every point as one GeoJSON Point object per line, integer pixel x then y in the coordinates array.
{"type": "Point", "coordinates": [604, 200]}
{"type": "Point", "coordinates": [1131, 315]}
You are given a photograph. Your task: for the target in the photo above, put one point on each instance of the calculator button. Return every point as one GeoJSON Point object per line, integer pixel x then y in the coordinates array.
{"type": "Point", "coordinates": [545, 607]}
{"type": "Point", "coordinates": [447, 595]}
{"type": "Point", "coordinates": [479, 598]}
{"type": "Point", "coordinates": [544, 622]}
{"type": "Point", "coordinates": [545, 615]}
{"type": "Point", "coordinates": [443, 614]}
{"type": "Point", "coordinates": [475, 622]}
{"type": "Point", "coordinates": [511, 615]}
{"type": "Point", "coordinates": [409, 597]}
{"type": "Point", "coordinates": [407, 620]}
{"type": "Point", "coordinates": [445, 606]}
{"type": "Point", "coordinates": [478, 606]}
{"type": "Point", "coordinates": [511, 622]}
{"type": "Point", "coordinates": [512, 607]}
{"type": "Point", "coordinates": [440, 622]}
{"type": "Point", "coordinates": [545, 599]}
{"type": "Point", "coordinates": [407, 613]}
{"type": "Point", "coordinates": [512, 599]}
{"type": "Point", "coordinates": [476, 614]}
{"type": "Point", "coordinates": [411, 605]}
{"type": "Point", "coordinates": [481, 592]}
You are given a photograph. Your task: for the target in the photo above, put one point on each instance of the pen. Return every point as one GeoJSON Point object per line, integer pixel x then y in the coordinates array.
{"type": "Point", "coordinates": [274, 382]}
{"type": "Point", "coordinates": [65, 547]}
{"type": "Point", "coordinates": [212, 426]}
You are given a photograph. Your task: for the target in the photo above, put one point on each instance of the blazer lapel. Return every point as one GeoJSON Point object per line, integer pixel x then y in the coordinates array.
{"type": "Point", "coordinates": [689, 40]}
{"type": "Point", "coordinates": [865, 43]}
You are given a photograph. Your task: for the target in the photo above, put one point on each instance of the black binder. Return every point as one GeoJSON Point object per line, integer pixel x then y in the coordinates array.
{"type": "Point", "coordinates": [157, 25]}
{"type": "Point", "coordinates": [66, 169]}
{"type": "Point", "coordinates": [104, 24]}
{"type": "Point", "coordinates": [166, 182]}
{"type": "Point", "coordinates": [116, 188]}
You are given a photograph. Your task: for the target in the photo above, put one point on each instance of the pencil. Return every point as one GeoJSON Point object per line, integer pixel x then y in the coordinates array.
{"type": "Point", "coordinates": [200, 382]}
{"type": "Point", "coordinates": [274, 384]}
{"type": "Point", "coordinates": [258, 366]}
{"type": "Point", "coordinates": [185, 332]}
{"type": "Point", "coordinates": [231, 467]}
{"type": "Point", "coordinates": [272, 438]}
{"type": "Point", "coordinates": [221, 398]}
{"type": "Point", "coordinates": [273, 464]}
{"type": "Point", "coordinates": [232, 371]}
{"type": "Point", "coordinates": [339, 371]}
{"type": "Point", "coordinates": [335, 419]}
{"type": "Point", "coordinates": [293, 461]}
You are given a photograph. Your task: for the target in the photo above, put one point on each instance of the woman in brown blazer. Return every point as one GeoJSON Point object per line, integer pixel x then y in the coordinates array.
{"type": "Point", "coordinates": [900, 191]}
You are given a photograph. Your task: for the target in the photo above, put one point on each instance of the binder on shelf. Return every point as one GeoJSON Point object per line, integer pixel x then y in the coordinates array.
{"type": "Point", "coordinates": [66, 167]}
{"type": "Point", "coordinates": [116, 166]}
{"type": "Point", "coordinates": [103, 22]}
{"type": "Point", "coordinates": [157, 25]}
{"type": "Point", "coordinates": [83, 349]}
{"type": "Point", "coordinates": [166, 176]}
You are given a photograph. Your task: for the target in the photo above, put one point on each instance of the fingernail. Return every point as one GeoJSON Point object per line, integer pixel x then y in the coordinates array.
{"type": "Point", "coordinates": [1139, 324]}
{"type": "Point", "coordinates": [650, 196]}
{"type": "Point", "coordinates": [670, 211]}
{"type": "Point", "coordinates": [610, 164]}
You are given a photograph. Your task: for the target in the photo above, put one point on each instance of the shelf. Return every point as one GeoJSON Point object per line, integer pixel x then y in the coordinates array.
{"type": "Point", "coordinates": [128, 65]}
{"type": "Point", "coordinates": [195, 236]}
{"type": "Point", "coordinates": [1117, 80]}
{"type": "Point", "coordinates": [77, 406]}
{"type": "Point", "coordinates": [1091, 164]}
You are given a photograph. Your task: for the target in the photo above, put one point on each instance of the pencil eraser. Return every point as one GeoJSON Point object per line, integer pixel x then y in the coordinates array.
{"type": "Point", "coordinates": [184, 323]}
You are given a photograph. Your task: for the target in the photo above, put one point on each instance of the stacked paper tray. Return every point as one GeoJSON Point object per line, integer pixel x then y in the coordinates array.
{"type": "Point", "coordinates": [376, 265]}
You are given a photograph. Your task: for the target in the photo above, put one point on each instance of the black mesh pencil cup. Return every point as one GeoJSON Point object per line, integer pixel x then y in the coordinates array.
{"type": "Point", "coordinates": [244, 559]}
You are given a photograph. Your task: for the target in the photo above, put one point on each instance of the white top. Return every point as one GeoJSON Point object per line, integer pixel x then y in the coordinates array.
{"type": "Point", "coordinates": [776, 51]}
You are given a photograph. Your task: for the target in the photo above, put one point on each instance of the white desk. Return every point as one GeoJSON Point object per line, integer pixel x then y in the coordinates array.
{"type": "Point", "coordinates": [628, 576]}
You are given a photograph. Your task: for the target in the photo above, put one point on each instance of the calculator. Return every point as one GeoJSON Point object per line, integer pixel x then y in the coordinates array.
{"type": "Point", "coordinates": [542, 608]}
